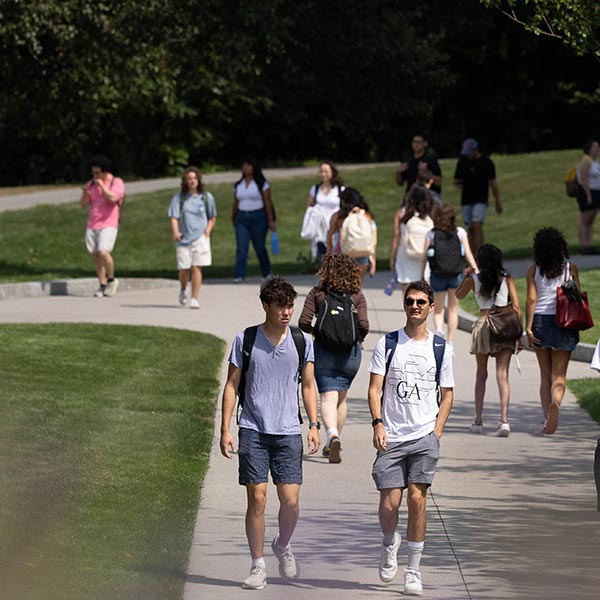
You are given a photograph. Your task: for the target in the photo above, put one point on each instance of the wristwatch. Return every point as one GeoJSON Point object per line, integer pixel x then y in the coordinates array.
{"type": "Point", "coordinates": [315, 424]}
{"type": "Point", "coordinates": [376, 421]}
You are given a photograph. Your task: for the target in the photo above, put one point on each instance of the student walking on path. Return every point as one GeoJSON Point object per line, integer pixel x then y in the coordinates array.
{"type": "Point", "coordinates": [553, 345]}
{"type": "Point", "coordinates": [270, 431]}
{"type": "Point", "coordinates": [103, 194]}
{"type": "Point", "coordinates": [341, 326]}
{"type": "Point", "coordinates": [252, 216]}
{"type": "Point", "coordinates": [193, 214]}
{"type": "Point", "coordinates": [410, 398]}
{"type": "Point", "coordinates": [492, 286]}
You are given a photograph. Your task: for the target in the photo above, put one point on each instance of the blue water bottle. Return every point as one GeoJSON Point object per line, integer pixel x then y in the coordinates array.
{"type": "Point", "coordinates": [274, 242]}
{"type": "Point", "coordinates": [391, 286]}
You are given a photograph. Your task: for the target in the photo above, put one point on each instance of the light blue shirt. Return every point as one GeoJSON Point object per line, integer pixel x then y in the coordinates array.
{"type": "Point", "coordinates": [271, 400]}
{"type": "Point", "coordinates": [197, 210]}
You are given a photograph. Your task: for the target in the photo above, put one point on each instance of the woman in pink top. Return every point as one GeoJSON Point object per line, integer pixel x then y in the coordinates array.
{"type": "Point", "coordinates": [553, 345]}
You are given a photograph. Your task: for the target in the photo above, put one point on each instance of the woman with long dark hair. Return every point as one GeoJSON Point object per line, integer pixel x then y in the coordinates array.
{"type": "Point", "coordinates": [553, 345]}
{"type": "Point", "coordinates": [252, 216]}
{"type": "Point", "coordinates": [351, 201]}
{"type": "Point", "coordinates": [491, 286]}
{"type": "Point", "coordinates": [335, 369]}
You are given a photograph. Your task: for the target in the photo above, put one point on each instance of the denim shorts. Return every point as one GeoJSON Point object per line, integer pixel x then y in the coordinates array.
{"type": "Point", "coordinates": [259, 453]}
{"type": "Point", "coordinates": [473, 213]}
{"type": "Point", "coordinates": [551, 336]}
{"type": "Point", "coordinates": [407, 462]}
{"type": "Point", "coordinates": [335, 369]}
{"type": "Point", "coordinates": [362, 261]}
{"type": "Point", "coordinates": [442, 284]}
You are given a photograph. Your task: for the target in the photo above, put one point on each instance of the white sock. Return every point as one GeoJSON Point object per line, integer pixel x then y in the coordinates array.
{"type": "Point", "coordinates": [259, 562]}
{"type": "Point", "coordinates": [415, 551]}
{"type": "Point", "coordinates": [280, 547]}
{"type": "Point", "coordinates": [331, 432]}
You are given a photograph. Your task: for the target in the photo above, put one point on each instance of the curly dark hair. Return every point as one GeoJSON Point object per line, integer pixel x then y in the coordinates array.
{"type": "Point", "coordinates": [444, 218]}
{"type": "Point", "coordinates": [277, 289]}
{"type": "Point", "coordinates": [491, 271]}
{"type": "Point", "coordinates": [102, 162]}
{"type": "Point", "coordinates": [339, 273]}
{"type": "Point", "coordinates": [419, 202]}
{"type": "Point", "coordinates": [550, 252]}
{"type": "Point", "coordinates": [184, 188]}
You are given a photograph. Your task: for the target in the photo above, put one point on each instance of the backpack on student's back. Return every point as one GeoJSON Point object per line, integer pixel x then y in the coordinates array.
{"type": "Point", "coordinates": [416, 230]}
{"type": "Point", "coordinates": [445, 254]}
{"type": "Point", "coordinates": [357, 235]}
{"type": "Point", "coordinates": [248, 344]}
{"type": "Point", "coordinates": [571, 184]}
{"type": "Point", "coordinates": [337, 322]}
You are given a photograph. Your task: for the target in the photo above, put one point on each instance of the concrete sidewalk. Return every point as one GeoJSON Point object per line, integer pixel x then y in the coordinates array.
{"type": "Point", "coordinates": [508, 518]}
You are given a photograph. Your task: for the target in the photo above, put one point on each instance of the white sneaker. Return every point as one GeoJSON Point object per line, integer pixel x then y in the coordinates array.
{"type": "Point", "coordinates": [256, 580]}
{"type": "Point", "coordinates": [111, 288]}
{"type": "Point", "coordinates": [99, 293]}
{"type": "Point", "coordinates": [476, 427]}
{"type": "Point", "coordinates": [503, 429]}
{"type": "Point", "coordinates": [412, 583]}
{"type": "Point", "coordinates": [194, 303]}
{"type": "Point", "coordinates": [388, 561]}
{"type": "Point", "coordinates": [238, 280]}
{"type": "Point", "coordinates": [182, 297]}
{"type": "Point", "coordinates": [288, 567]}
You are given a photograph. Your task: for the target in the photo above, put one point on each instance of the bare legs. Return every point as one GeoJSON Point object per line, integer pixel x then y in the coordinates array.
{"type": "Point", "coordinates": [389, 502]}
{"type": "Point", "coordinates": [586, 228]}
{"type": "Point", "coordinates": [553, 376]}
{"type": "Point", "coordinates": [502, 364]}
{"type": "Point", "coordinates": [104, 266]}
{"type": "Point", "coordinates": [289, 511]}
{"type": "Point", "coordinates": [196, 276]}
{"type": "Point", "coordinates": [439, 310]}
{"type": "Point", "coordinates": [334, 409]}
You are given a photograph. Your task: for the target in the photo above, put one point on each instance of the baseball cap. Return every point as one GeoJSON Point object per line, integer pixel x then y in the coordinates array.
{"type": "Point", "coordinates": [468, 146]}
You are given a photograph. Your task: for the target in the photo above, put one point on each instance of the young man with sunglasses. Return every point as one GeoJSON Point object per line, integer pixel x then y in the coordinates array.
{"type": "Point", "coordinates": [410, 398]}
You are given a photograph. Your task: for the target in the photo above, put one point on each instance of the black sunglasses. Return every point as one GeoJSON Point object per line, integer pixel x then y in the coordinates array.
{"type": "Point", "coordinates": [417, 301]}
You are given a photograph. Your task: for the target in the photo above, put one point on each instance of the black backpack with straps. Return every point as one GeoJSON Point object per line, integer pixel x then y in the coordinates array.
{"type": "Point", "coordinates": [336, 326]}
{"type": "Point", "coordinates": [248, 344]}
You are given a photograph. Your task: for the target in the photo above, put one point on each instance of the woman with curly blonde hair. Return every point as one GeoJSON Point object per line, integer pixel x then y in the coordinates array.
{"type": "Point", "coordinates": [335, 367]}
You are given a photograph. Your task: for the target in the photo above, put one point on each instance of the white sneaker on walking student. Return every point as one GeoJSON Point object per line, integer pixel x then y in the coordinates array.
{"type": "Point", "coordinates": [194, 303]}
{"type": "Point", "coordinates": [288, 567]}
{"type": "Point", "coordinates": [257, 579]}
{"type": "Point", "coordinates": [503, 429]}
{"type": "Point", "coordinates": [388, 561]}
{"type": "Point", "coordinates": [412, 582]}
{"type": "Point", "coordinates": [111, 287]}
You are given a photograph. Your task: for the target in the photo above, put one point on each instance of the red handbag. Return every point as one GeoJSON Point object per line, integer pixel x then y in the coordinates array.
{"type": "Point", "coordinates": [572, 308]}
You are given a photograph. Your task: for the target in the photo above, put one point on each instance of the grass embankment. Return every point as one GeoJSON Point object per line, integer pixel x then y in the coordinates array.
{"type": "Point", "coordinates": [104, 447]}
{"type": "Point", "coordinates": [47, 241]}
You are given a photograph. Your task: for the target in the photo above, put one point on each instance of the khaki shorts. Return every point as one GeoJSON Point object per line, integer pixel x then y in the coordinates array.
{"type": "Point", "coordinates": [197, 254]}
{"type": "Point", "coordinates": [101, 240]}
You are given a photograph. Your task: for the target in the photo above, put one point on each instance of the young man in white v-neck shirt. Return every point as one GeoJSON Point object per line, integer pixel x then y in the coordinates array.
{"type": "Point", "coordinates": [408, 420]}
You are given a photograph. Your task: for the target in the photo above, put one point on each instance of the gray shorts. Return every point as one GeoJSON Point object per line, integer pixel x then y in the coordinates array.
{"type": "Point", "coordinates": [259, 453]}
{"type": "Point", "coordinates": [407, 462]}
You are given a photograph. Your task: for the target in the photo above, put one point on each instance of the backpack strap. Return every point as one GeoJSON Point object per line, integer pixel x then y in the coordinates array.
{"type": "Point", "coordinates": [391, 341]}
{"type": "Point", "coordinates": [300, 343]}
{"type": "Point", "coordinates": [247, 345]}
{"type": "Point", "coordinates": [439, 346]}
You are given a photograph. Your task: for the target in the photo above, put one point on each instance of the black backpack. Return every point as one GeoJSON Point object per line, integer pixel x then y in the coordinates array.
{"type": "Point", "coordinates": [337, 322]}
{"type": "Point", "coordinates": [445, 254]}
{"type": "Point", "coordinates": [248, 343]}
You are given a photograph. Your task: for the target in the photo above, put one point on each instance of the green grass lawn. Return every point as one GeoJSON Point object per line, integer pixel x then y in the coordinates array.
{"type": "Point", "coordinates": [104, 445]}
{"type": "Point", "coordinates": [588, 395]}
{"type": "Point", "coordinates": [46, 242]}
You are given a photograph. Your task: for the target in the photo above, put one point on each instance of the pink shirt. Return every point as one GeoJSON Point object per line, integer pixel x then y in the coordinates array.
{"type": "Point", "coordinates": [103, 212]}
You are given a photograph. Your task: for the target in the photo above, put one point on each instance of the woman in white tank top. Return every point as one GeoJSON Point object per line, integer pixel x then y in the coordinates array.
{"type": "Point", "coordinates": [492, 285]}
{"type": "Point", "coordinates": [588, 195]}
{"type": "Point", "coordinates": [553, 345]}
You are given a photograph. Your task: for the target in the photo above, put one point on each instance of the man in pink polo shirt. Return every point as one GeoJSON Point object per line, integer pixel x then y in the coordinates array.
{"type": "Point", "coordinates": [104, 194]}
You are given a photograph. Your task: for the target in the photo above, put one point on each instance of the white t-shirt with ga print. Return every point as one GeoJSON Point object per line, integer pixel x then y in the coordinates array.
{"type": "Point", "coordinates": [410, 405]}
